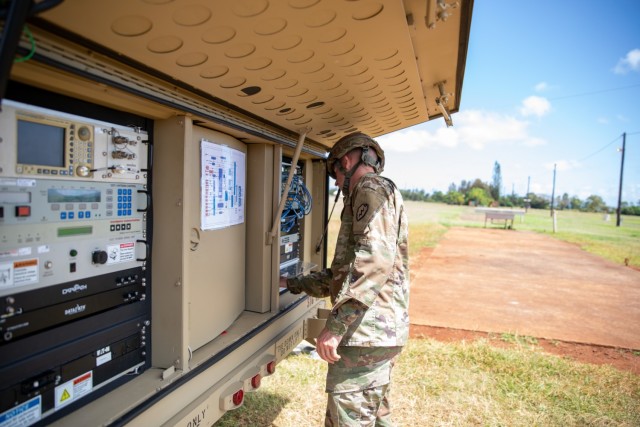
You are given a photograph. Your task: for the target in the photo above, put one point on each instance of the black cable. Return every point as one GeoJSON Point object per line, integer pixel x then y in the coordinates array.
{"type": "Point", "coordinates": [593, 154]}
{"type": "Point", "coordinates": [13, 27]}
{"type": "Point", "coordinates": [34, 9]}
{"type": "Point", "coordinates": [595, 92]}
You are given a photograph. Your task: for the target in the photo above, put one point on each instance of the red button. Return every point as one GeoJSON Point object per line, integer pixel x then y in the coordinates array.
{"type": "Point", "coordinates": [22, 211]}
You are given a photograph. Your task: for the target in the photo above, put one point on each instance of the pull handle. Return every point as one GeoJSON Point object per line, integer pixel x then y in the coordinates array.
{"type": "Point", "coordinates": [147, 249]}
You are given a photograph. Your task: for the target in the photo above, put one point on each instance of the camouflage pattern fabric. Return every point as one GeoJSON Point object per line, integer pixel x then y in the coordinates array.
{"type": "Point", "coordinates": [368, 281]}
{"type": "Point", "coordinates": [358, 386]}
{"type": "Point", "coordinates": [367, 408]}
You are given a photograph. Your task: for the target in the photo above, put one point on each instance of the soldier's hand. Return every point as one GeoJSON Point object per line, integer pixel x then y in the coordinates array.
{"type": "Point", "coordinates": [293, 287]}
{"type": "Point", "coordinates": [327, 346]}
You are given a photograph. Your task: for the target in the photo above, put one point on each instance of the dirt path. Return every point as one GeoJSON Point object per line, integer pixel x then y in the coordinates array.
{"type": "Point", "coordinates": [505, 281]}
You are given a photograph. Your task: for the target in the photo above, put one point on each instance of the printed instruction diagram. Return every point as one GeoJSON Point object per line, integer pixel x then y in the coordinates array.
{"type": "Point", "coordinates": [222, 186]}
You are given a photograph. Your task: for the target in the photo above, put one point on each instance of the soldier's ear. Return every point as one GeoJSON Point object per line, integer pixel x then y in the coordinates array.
{"type": "Point", "coordinates": [345, 161]}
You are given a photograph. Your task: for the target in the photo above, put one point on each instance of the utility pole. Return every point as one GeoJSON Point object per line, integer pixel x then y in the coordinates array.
{"type": "Point", "coordinates": [527, 200]}
{"type": "Point", "coordinates": [553, 191]}
{"type": "Point", "coordinates": [553, 197]}
{"type": "Point", "coordinates": [624, 141]}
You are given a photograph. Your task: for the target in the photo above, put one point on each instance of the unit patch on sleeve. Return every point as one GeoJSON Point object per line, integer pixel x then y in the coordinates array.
{"type": "Point", "coordinates": [362, 211]}
{"type": "Point", "coordinates": [367, 204]}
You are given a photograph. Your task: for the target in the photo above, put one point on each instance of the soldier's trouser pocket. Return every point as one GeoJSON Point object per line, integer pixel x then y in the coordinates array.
{"type": "Point", "coordinates": [361, 368]}
{"type": "Point", "coordinates": [368, 407]}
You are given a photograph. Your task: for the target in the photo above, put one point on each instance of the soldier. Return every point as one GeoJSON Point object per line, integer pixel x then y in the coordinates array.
{"type": "Point", "coordinates": [368, 283]}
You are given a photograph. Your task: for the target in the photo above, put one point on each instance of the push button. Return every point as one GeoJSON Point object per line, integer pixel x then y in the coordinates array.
{"type": "Point", "coordinates": [23, 211]}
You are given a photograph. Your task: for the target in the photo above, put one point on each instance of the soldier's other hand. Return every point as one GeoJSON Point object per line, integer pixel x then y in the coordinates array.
{"type": "Point", "coordinates": [283, 282]}
{"type": "Point", "coordinates": [327, 346]}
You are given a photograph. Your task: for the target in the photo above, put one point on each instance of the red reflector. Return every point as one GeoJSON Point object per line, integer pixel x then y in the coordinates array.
{"type": "Point", "coordinates": [238, 396]}
{"type": "Point", "coordinates": [271, 367]}
{"type": "Point", "coordinates": [255, 381]}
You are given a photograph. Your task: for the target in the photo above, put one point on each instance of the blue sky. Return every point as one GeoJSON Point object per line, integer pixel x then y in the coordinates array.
{"type": "Point", "coordinates": [546, 82]}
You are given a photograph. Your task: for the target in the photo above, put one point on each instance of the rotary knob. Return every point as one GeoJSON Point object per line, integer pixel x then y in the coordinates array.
{"type": "Point", "coordinates": [99, 257]}
{"type": "Point", "coordinates": [84, 133]}
{"type": "Point", "coordinates": [83, 170]}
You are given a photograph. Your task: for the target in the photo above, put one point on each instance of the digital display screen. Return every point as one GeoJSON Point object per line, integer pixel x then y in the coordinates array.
{"type": "Point", "coordinates": [40, 144]}
{"type": "Point", "coordinates": [74, 231]}
{"type": "Point", "coordinates": [72, 195]}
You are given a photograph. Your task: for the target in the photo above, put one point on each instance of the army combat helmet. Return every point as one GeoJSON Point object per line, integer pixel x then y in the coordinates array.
{"type": "Point", "coordinates": [351, 142]}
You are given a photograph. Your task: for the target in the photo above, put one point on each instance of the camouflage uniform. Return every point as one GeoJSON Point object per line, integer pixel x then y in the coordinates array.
{"type": "Point", "coordinates": [368, 283]}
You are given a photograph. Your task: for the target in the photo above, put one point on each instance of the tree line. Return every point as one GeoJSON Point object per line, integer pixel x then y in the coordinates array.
{"type": "Point", "coordinates": [479, 193]}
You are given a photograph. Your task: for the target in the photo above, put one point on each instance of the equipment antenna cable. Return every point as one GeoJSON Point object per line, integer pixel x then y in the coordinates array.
{"type": "Point", "coordinates": [326, 228]}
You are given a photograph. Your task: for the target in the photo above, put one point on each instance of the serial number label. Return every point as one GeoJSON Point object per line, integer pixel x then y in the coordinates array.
{"type": "Point", "coordinates": [287, 343]}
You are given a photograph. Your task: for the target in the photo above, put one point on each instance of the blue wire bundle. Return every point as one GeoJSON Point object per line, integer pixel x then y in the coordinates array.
{"type": "Point", "coordinates": [297, 205]}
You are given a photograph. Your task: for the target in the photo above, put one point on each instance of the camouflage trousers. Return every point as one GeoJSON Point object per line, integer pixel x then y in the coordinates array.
{"type": "Point", "coordinates": [358, 386]}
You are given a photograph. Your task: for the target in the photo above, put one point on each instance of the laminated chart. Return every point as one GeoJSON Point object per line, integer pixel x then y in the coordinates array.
{"type": "Point", "coordinates": [222, 186]}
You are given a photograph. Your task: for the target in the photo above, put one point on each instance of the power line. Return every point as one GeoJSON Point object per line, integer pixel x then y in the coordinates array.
{"type": "Point", "coordinates": [593, 154]}
{"type": "Point", "coordinates": [606, 146]}
{"type": "Point", "coordinates": [595, 92]}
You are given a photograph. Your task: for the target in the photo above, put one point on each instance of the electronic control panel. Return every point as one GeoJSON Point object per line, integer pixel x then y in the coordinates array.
{"type": "Point", "coordinates": [74, 254]}
{"type": "Point", "coordinates": [43, 143]}
{"type": "Point", "coordinates": [73, 198]}
{"type": "Point", "coordinates": [58, 231]}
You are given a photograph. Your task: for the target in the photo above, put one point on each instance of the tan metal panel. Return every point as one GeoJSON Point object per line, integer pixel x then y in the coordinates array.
{"type": "Point", "coordinates": [260, 209]}
{"type": "Point", "coordinates": [333, 65]}
{"type": "Point", "coordinates": [214, 266]}
{"type": "Point", "coordinates": [169, 309]}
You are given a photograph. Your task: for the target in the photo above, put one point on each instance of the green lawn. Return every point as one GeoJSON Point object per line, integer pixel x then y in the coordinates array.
{"type": "Point", "coordinates": [590, 231]}
{"type": "Point", "coordinates": [475, 383]}
{"type": "Point", "coordinates": [460, 384]}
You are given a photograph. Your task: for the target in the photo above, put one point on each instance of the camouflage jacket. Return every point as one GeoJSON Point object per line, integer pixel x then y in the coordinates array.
{"type": "Point", "coordinates": [368, 281]}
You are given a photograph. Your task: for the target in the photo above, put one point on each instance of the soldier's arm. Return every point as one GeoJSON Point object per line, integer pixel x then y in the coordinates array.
{"type": "Point", "coordinates": [316, 284]}
{"type": "Point", "coordinates": [344, 315]}
{"type": "Point", "coordinates": [375, 246]}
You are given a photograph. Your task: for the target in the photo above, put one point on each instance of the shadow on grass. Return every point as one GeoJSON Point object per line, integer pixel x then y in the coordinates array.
{"type": "Point", "coordinates": [260, 408]}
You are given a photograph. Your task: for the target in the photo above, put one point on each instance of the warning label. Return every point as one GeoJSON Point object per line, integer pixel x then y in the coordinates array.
{"type": "Point", "coordinates": [122, 252]}
{"type": "Point", "coordinates": [6, 275]}
{"type": "Point", "coordinates": [74, 389]}
{"type": "Point", "coordinates": [19, 273]}
{"type": "Point", "coordinates": [23, 415]}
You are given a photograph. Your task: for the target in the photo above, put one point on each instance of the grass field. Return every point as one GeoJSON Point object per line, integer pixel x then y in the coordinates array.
{"type": "Point", "coordinates": [591, 231]}
{"type": "Point", "coordinates": [475, 383]}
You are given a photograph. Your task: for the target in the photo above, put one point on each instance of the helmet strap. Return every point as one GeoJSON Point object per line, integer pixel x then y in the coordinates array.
{"type": "Point", "coordinates": [348, 175]}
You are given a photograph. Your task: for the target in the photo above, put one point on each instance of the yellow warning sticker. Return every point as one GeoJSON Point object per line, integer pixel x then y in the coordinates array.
{"type": "Point", "coordinates": [73, 389]}
{"type": "Point", "coordinates": [64, 394]}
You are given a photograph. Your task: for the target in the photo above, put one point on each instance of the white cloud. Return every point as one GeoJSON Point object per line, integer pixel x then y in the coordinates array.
{"type": "Point", "coordinates": [416, 140]}
{"type": "Point", "coordinates": [541, 87]}
{"type": "Point", "coordinates": [535, 106]}
{"type": "Point", "coordinates": [603, 120]}
{"type": "Point", "coordinates": [534, 142]}
{"type": "Point", "coordinates": [478, 129]}
{"type": "Point", "coordinates": [473, 128]}
{"type": "Point", "coordinates": [631, 62]}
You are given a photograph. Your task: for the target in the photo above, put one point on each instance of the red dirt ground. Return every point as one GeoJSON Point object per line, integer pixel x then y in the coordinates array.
{"type": "Point", "coordinates": [479, 283]}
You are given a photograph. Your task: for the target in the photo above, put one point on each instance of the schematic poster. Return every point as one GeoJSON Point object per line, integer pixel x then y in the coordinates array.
{"type": "Point", "coordinates": [222, 186]}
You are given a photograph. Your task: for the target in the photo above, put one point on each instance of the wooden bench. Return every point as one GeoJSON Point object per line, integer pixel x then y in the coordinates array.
{"type": "Point", "coordinates": [500, 215]}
